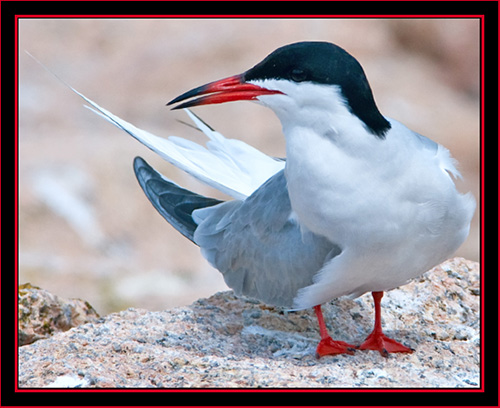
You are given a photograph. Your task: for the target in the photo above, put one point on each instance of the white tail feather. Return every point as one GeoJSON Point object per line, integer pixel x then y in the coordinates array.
{"type": "Point", "coordinates": [231, 166]}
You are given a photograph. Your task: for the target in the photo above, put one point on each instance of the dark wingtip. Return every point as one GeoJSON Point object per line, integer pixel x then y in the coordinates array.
{"type": "Point", "coordinates": [139, 162]}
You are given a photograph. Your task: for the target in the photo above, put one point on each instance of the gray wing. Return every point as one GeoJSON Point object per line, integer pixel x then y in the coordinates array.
{"type": "Point", "coordinates": [259, 248]}
{"type": "Point", "coordinates": [173, 202]}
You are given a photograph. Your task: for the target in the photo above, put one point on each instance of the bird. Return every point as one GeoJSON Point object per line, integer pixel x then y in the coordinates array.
{"type": "Point", "coordinates": [360, 204]}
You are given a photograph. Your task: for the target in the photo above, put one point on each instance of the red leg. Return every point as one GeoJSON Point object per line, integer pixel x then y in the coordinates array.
{"type": "Point", "coordinates": [328, 346]}
{"type": "Point", "coordinates": [377, 340]}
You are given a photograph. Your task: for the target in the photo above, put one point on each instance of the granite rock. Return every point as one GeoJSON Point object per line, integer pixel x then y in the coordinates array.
{"type": "Point", "coordinates": [227, 341]}
{"type": "Point", "coordinates": [41, 314]}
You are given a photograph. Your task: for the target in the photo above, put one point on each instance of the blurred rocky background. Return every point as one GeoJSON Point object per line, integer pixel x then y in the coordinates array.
{"type": "Point", "coordinates": [87, 231]}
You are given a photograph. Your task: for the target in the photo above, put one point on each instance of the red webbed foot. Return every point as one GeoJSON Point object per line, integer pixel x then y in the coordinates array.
{"type": "Point", "coordinates": [377, 340]}
{"type": "Point", "coordinates": [383, 344]}
{"type": "Point", "coordinates": [329, 347]}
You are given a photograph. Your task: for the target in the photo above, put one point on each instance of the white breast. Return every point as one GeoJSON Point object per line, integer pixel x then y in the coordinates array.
{"type": "Point", "coordinates": [390, 204]}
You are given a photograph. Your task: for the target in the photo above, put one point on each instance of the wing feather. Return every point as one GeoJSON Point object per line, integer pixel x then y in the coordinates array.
{"type": "Point", "coordinates": [258, 246]}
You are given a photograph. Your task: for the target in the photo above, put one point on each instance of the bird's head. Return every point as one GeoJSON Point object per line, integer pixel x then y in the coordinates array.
{"type": "Point", "coordinates": [300, 80]}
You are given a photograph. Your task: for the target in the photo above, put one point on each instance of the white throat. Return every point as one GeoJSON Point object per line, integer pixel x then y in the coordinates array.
{"type": "Point", "coordinates": [321, 109]}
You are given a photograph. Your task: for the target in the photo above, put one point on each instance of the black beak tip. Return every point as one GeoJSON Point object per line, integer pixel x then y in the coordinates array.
{"type": "Point", "coordinates": [171, 107]}
{"type": "Point", "coordinates": [186, 95]}
{"type": "Point", "coordinates": [175, 100]}
{"type": "Point", "coordinates": [187, 104]}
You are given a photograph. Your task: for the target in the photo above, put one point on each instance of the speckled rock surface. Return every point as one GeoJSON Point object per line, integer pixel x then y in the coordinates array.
{"type": "Point", "coordinates": [41, 314]}
{"type": "Point", "coordinates": [224, 341]}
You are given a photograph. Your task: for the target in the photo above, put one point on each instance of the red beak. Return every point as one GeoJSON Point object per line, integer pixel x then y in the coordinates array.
{"type": "Point", "coordinates": [225, 90]}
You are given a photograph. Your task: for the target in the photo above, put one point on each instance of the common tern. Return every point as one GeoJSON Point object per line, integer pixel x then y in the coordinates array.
{"type": "Point", "coordinates": [361, 204]}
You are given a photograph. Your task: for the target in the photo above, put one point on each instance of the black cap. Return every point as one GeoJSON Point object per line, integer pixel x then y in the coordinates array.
{"type": "Point", "coordinates": [328, 64]}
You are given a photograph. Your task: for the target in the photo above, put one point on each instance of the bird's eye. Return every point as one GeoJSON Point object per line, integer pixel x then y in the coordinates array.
{"type": "Point", "coordinates": [298, 75]}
